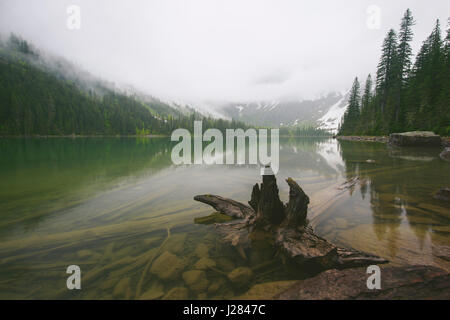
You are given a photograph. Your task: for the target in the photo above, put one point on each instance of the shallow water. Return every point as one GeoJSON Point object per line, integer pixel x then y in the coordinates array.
{"type": "Point", "coordinates": [113, 206]}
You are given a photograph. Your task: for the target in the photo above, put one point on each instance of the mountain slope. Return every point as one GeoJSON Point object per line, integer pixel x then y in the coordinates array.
{"type": "Point", "coordinates": [282, 113]}
{"type": "Point", "coordinates": [45, 95]}
{"type": "Point", "coordinates": [332, 119]}
{"type": "Point", "coordinates": [34, 99]}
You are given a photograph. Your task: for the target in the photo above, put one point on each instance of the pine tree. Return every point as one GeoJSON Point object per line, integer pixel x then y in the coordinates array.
{"type": "Point", "coordinates": [427, 81]}
{"type": "Point", "coordinates": [366, 112]}
{"type": "Point", "coordinates": [351, 116]}
{"type": "Point", "coordinates": [386, 72]}
{"type": "Point", "coordinates": [404, 65]}
{"type": "Point", "coordinates": [404, 48]}
{"type": "Point", "coordinates": [444, 98]}
{"type": "Point", "coordinates": [406, 99]}
{"type": "Point", "coordinates": [367, 95]}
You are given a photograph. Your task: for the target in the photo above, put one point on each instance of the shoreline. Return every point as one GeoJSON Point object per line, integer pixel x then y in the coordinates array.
{"type": "Point", "coordinates": [381, 139]}
{"type": "Point", "coordinates": [124, 136]}
{"type": "Point", "coordinates": [75, 136]}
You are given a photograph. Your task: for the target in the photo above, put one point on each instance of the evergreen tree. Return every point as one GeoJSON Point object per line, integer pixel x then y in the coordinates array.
{"type": "Point", "coordinates": [404, 63]}
{"type": "Point", "coordinates": [406, 98]}
{"type": "Point", "coordinates": [404, 48]}
{"type": "Point", "coordinates": [427, 82]}
{"type": "Point", "coordinates": [386, 71]}
{"type": "Point", "coordinates": [367, 95]}
{"type": "Point", "coordinates": [351, 116]}
{"type": "Point", "coordinates": [366, 110]}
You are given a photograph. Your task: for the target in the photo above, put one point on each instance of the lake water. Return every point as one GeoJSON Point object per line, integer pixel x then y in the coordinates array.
{"type": "Point", "coordinates": [113, 205]}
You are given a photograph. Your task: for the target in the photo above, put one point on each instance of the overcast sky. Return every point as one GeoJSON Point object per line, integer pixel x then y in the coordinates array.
{"type": "Point", "coordinates": [216, 50]}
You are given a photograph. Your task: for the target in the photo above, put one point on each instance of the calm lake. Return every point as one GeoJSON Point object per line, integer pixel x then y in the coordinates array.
{"type": "Point", "coordinates": [113, 205]}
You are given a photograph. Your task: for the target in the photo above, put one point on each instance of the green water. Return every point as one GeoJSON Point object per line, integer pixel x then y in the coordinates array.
{"type": "Point", "coordinates": [113, 206]}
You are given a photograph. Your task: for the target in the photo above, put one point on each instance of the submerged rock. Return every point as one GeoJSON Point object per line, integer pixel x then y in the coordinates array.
{"type": "Point", "coordinates": [155, 291]}
{"type": "Point", "coordinates": [412, 282]}
{"type": "Point", "coordinates": [240, 276]}
{"type": "Point", "coordinates": [445, 155]}
{"type": "Point", "coordinates": [266, 291]}
{"type": "Point", "coordinates": [225, 264]}
{"type": "Point", "coordinates": [202, 250]}
{"type": "Point", "coordinates": [196, 280]}
{"type": "Point", "coordinates": [202, 296]}
{"type": "Point", "coordinates": [176, 243]}
{"type": "Point", "coordinates": [177, 293]}
{"type": "Point", "coordinates": [122, 289]}
{"type": "Point", "coordinates": [443, 194]}
{"type": "Point", "coordinates": [204, 264]}
{"type": "Point", "coordinates": [216, 285]}
{"type": "Point", "coordinates": [415, 139]}
{"type": "Point", "coordinates": [167, 266]}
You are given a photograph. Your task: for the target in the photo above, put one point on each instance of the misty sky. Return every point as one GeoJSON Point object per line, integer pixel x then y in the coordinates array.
{"type": "Point", "coordinates": [208, 50]}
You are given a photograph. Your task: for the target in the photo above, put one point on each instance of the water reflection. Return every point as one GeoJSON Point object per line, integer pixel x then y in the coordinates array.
{"type": "Point", "coordinates": [400, 184]}
{"type": "Point", "coordinates": [46, 176]}
{"type": "Point", "coordinates": [107, 204]}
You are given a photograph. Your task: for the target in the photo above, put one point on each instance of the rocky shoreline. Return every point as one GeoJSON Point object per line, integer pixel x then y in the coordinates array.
{"type": "Point", "coordinates": [382, 139]}
{"type": "Point", "coordinates": [445, 141]}
{"type": "Point", "coordinates": [397, 283]}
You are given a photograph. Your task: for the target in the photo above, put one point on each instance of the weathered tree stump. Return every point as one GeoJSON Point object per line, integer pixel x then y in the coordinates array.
{"type": "Point", "coordinates": [285, 225]}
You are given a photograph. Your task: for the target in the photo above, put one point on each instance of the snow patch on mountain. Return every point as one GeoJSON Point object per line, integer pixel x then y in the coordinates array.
{"type": "Point", "coordinates": [332, 119]}
{"type": "Point", "coordinates": [285, 112]}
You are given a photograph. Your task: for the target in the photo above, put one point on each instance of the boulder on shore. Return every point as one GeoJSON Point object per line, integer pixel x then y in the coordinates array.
{"type": "Point", "coordinates": [406, 283]}
{"type": "Point", "coordinates": [446, 142]}
{"type": "Point", "coordinates": [443, 194]}
{"type": "Point", "coordinates": [445, 155]}
{"type": "Point", "coordinates": [415, 139]}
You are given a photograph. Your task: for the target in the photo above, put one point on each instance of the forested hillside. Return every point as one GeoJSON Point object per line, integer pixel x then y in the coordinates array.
{"type": "Point", "coordinates": [39, 98]}
{"type": "Point", "coordinates": [407, 96]}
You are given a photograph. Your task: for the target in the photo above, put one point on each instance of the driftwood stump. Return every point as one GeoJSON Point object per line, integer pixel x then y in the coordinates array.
{"type": "Point", "coordinates": [284, 226]}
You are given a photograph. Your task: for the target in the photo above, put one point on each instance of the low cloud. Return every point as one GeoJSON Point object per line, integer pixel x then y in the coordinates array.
{"type": "Point", "coordinates": [211, 50]}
